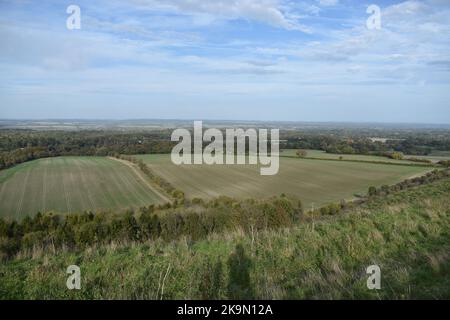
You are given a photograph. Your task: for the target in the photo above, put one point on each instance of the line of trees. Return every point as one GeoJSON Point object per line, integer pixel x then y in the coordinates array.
{"type": "Point", "coordinates": [17, 146]}
{"type": "Point", "coordinates": [194, 220]}
{"type": "Point", "coordinates": [409, 183]}
{"type": "Point", "coordinates": [358, 142]}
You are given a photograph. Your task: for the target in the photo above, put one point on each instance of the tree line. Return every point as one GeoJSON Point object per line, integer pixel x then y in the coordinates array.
{"type": "Point", "coordinates": [193, 219]}
{"type": "Point", "coordinates": [18, 146]}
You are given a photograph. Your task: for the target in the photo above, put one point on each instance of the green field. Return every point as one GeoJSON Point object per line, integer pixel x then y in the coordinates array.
{"type": "Point", "coordinates": [312, 181]}
{"type": "Point", "coordinates": [433, 158]}
{"type": "Point", "coordinates": [320, 154]}
{"type": "Point", "coordinates": [71, 184]}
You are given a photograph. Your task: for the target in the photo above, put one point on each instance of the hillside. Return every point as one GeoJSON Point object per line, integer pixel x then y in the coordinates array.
{"type": "Point", "coordinates": [406, 233]}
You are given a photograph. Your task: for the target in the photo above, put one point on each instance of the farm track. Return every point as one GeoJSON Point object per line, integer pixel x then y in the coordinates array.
{"type": "Point", "coordinates": [141, 176]}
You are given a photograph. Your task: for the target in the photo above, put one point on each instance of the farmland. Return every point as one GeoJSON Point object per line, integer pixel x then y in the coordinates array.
{"type": "Point", "coordinates": [320, 154]}
{"type": "Point", "coordinates": [75, 184]}
{"type": "Point", "coordinates": [312, 181]}
{"type": "Point", "coordinates": [71, 184]}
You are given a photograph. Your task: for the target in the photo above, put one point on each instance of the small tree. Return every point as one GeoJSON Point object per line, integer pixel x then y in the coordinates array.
{"type": "Point", "coordinates": [396, 155]}
{"type": "Point", "coordinates": [372, 191]}
{"type": "Point", "coordinates": [301, 153]}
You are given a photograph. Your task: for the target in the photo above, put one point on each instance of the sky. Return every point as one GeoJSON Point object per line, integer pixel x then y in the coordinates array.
{"type": "Point", "coordinates": [312, 60]}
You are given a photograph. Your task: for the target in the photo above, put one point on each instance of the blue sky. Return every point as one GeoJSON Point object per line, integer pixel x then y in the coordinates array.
{"type": "Point", "coordinates": [312, 60]}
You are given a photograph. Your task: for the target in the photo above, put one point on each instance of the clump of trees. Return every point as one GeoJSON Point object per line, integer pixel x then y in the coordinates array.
{"type": "Point", "coordinates": [302, 153]}
{"type": "Point", "coordinates": [395, 155]}
{"type": "Point", "coordinates": [445, 163]}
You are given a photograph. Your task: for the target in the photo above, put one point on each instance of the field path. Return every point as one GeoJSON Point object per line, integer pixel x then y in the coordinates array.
{"type": "Point", "coordinates": [141, 176]}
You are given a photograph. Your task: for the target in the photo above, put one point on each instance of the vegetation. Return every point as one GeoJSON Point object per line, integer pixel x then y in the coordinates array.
{"type": "Point", "coordinates": [165, 185]}
{"type": "Point", "coordinates": [359, 141]}
{"type": "Point", "coordinates": [406, 233]}
{"type": "Point", "coordinates": [191, 219]}
{"type": "Point", "coordinates": [140, 227]}
{"type": "Point", "coordinates": [18, 146]}
{"type": "Point", "coordinates": [301, 153]}
{"type": "Point", "coordinates": [322, 155]}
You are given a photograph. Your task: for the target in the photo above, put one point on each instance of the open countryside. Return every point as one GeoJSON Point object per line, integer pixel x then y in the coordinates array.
{"type": "Point", "coordinates": [313, 181]}
{"type": "Point", "coordinates": [76, 184]}
{"type": "Point", "coordinates": [71, 184]}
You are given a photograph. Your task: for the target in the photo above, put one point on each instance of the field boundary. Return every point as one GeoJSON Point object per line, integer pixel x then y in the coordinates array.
{"type": "Point", "coordinates": [423, 165]}
{"type": "Point", "coordinates": [140, 175]}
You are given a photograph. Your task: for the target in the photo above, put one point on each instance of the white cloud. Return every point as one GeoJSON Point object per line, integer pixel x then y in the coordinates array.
{"type": "Point", "coordinates": [272, 12]}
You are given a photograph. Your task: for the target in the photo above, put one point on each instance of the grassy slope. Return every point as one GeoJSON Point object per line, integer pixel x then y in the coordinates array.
{"type": "Point", "coordinates": [311, 180]}
{"type": "Point", "coordinates": [406, 234]}
{"type": "Point", "coordinates": [70, 184]}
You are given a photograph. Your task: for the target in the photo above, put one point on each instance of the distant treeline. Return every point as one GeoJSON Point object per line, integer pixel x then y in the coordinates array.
{"type": "Point", "coordinates": [341, 144]}
{"type": "Point", "coordinates": [17, 146]}
{"type": "Point", "coordinates": [194, 219]}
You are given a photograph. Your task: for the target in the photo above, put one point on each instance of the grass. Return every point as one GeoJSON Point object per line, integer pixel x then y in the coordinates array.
{"type": "Point", "coordinates": [71, 184]}
{"type": "Point", "coordinates": [320, 154]}
{"type": "Point", "coordinates": [407, 234]}
{"type": "Point", "coordinates": [312, 181]}
{"type": "Point", "coordinates": [433, 158]}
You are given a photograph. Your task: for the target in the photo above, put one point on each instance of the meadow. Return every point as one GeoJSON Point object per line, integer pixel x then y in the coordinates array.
{"type": "Point", "coordinates": [71, 184]}
{"type": "Point", "coordinates": [312, 181]}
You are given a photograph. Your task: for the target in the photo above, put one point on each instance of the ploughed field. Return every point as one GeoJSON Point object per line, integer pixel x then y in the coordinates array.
{"type": "Point", "coordinates": [71, 184]}
{"type": "Point", "coordinates": [313, 181]}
